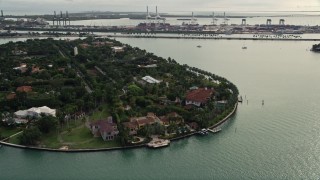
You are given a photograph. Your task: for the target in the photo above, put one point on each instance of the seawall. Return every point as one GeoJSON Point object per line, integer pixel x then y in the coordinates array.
{"type": "Point", "coordinates": [114, 148]}
{"type": "Point", "coordinates": [215, 38]}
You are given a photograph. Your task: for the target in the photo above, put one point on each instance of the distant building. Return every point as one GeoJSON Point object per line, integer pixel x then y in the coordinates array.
{"type": "Point", "coordinates": [11, 96]}
{"type": "Point", "coordinates": [105, 128]}
{"type": "Point", "coordinates": [193, 125]}
{"type": "Point", "coordinates": [171, 118]}
{"type": "Point", "coordinates": [148, 66]}
{"type": "Point", "coordinates": [25, 89]}
{"type": "Point", "coordinates": [151, 118]}
{"type": "Point", "coordinates": [23, 68]}
{"type": "Point", "coordinates": [35, 112]}
{"type": "Point", "coordinates": [100, 44]}
{"type": "Point", "coordinates": [75, 51]}
{"type": "Point", "coordinates": [117, 49]}
{"type": "Point", "coordinates": [7, 118]}
{"type": "Point", "coordinates": [133, 127]}
{"type": "Point", "coordinates": [199, 96]}
{"type": "Point", "coordinates": [19, 52]}
{"type": "Point", "coordinates": [84, 45]}
{"type": "Point", "coordinates": [151, 80]}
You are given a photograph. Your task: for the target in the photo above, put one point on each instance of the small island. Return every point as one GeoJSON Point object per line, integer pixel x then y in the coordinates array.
{"type": "Point", "coordinates": [98, 93]}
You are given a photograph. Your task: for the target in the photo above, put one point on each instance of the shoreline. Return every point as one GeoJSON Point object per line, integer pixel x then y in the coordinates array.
{"type": "Point", "coordinates": [164, 37]}
{"type": "Point", "coordinates": [214, 38]}
{"type": "Point", "coordinates": [115, 148]}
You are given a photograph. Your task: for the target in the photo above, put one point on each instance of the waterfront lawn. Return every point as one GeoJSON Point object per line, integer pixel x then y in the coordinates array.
{"type": "Point", "coordinates": [50, 140]}
{"type": "Point", "coordinates": [77, 138]}
{"type": "Point", "coordinates": [14, 140]}
{"type": "Point", "coordinates": [96, 143]}
{"type": "Point", "coordinates": [77, 135]}
{"type": "Point", "coordinates": [82, 138]}
{"type": "Point", "coordinates": [6, 132]}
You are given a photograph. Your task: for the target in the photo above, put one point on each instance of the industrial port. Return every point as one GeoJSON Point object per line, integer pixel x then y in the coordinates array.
{"type": "Point", "coordinates": [154, 23]}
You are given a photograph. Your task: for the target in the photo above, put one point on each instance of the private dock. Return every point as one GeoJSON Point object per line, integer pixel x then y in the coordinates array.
{"type": "Point", "coordinates": [215, 130]}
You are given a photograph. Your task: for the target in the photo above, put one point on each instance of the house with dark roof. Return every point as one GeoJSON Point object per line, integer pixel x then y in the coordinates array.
{"type": "Point", "coordinates": [171, 118]}
{"type": "Point", "coordinates": [11, 96]}
{"type": "Point", "coordinates": [199, 96]}
{"type": "Point", "coordinates": [193, 125]}
{"type": "Point", "coordinates": [35, 69]}
{"type": "Point", "coordinates": [133, 127]}
{"type": "Point", "coordinates": [164, 120]}
{"type": "Point", "coordinates": [84, 45]}
{"type": "Point", "coordinates": [25, 89]}
{"type": "Point", "coordinates": [104, 128]}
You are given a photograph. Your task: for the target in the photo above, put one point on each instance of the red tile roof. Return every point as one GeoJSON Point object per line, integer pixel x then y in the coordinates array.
{"type": "Point", "coordinates": [35, 69]}
{"type": "Point", "coordinates": [199, 95]}
{"type": "Point", "coordinates": [11, 96]}
{"type": "Point", "coordinates": [141, 121]}
{"type": "Point", "coordinates": [84, 45]}
{"type": "Point", "coordinates": [173, 114]}
{"type": "Point", "coordinates": [105, 126]}
{"type": "Point", "coordinates": [24, 89]}
{"type": "Point", "coordinates": [164, 119]}
{"type": "Point", "coordinates": [193, 125]}
{"type": "Point", "coordinates": [130, 125]}
{"type": "Point", "coordinates": [146, 120]}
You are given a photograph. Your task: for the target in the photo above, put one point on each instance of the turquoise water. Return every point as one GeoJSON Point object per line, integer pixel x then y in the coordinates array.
{"type": "Point", "coordinates": [277, 140]}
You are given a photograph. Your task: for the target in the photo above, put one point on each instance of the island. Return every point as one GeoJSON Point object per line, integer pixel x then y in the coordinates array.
{"type": "Point", "coordinates": [97, 93]}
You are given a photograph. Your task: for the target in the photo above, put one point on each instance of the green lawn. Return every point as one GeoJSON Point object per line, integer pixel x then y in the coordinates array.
{"type": "Point", "coordinates": [78, 138]}
{"type": "Point", "coordinates": [14, 140]}
{"type": "Point", "coordinates": [96, 143]}
{"type": "Point", "coordinates": [6, 132]}
{"type": "Point", "coordinates": [82, 138]}
{"type": "Point", "coordinates": [50, 140]}
{"type": "Point", "coordinates": [77, 135]}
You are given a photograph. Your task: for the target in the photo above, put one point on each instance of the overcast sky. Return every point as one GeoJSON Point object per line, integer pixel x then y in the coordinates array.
{"type": "Point", "coordinates": [48, 6]}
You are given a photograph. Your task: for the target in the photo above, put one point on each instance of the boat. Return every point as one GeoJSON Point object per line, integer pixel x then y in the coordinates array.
{"type": "Point", "coordinates": [158, 143]}
{"type": "Point", "coordinates": [244, 47]}
{"type": "Point", "coordinates": [199, 46]}
{"type": "Point", "coordinates": [240, 99]}
{"type": "Point", "coordinates": [203, 132]}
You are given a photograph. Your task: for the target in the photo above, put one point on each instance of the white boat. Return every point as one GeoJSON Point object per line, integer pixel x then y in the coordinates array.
{"type": "Point", "coordinates": [203, 132]}
{"type": "Point", "coordinates": [158, 143]}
